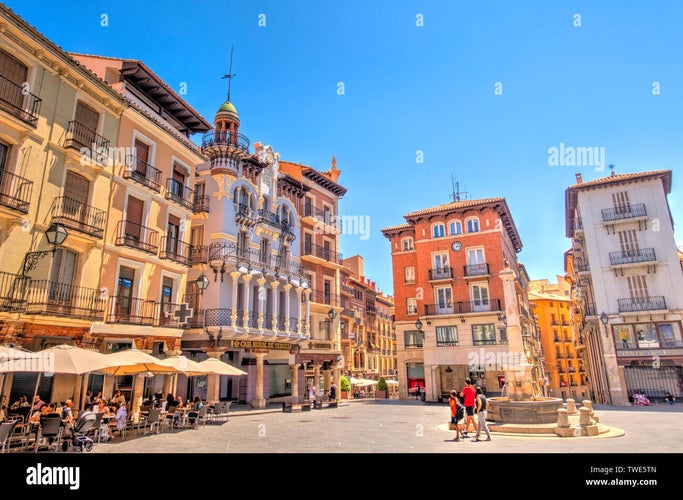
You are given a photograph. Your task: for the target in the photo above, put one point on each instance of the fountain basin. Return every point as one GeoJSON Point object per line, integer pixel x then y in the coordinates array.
{"type": "Point", "coordinates": [529, 411]}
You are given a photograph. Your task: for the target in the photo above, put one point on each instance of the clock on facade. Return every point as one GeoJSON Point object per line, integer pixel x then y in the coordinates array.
{"type": "Point", "coordinates": [456, 246]}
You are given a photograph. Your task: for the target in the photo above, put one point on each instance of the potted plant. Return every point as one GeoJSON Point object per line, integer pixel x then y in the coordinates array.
{"type": "Point", "coordinates": [345, 387]}
{"type": "Point", "coordinates": [382, 389]}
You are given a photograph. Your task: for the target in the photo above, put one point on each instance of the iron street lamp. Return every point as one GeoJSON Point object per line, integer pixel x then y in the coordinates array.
{"type": "Point", "coordinates": [418, 324]}
{"type": "Point", "coordinates": [604, 319]}
{"type": "Point", "coordinates": [56, 235]}
{"type": "Point", "coordinates": [331, 314]}
{"type": "Point", "coordinates": [202, 283]}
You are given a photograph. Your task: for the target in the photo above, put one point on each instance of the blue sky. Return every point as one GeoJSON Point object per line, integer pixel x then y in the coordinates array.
{"type": "Point", "coordinates": [478, 90]}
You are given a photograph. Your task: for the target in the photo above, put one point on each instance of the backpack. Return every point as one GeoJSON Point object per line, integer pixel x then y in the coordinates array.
{"type": "Point", "coordinates": [459, 412]}
{"type": "Point", "coordinates": [484, 402]}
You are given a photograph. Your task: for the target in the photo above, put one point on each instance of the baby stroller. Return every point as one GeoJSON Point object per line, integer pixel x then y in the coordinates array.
{"type": "Point", "coordinates": [79, 437]}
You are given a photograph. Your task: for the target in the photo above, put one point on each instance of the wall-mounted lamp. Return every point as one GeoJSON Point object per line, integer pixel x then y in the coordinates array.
{"type": "Point", "coordinates": [418, 324]}
{"type": "Point", "coordinates": [462, 319]}
{"type": "Point", "coordinates": [449, 369]}
{"type": "Point", "coordinates": [604, 319]}
{"type": "Point", "coordinates": [56, 235]}
{"type": "Point", "coordinates": [202, 283]}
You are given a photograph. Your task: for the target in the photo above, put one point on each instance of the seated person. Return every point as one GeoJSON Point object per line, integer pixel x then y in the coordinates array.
{"type": "Point", "coordinates": [196, 405]}
{"type": "Point", "coordinates": [97, 398]}
{"type": "Point", "coordinates": [22, 402]}
{"type": "Point", "coordinates": [37, 403]}
{"type": "Point", "coordinates": [68, 415]}
{"type": "Point", "coordinates": [121, 417]}
{"type": "Point", "coordinates": [118, 399]}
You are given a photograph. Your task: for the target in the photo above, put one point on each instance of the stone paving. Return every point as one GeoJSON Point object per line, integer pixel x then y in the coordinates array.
{"type": "Point", "coordinates": [400, 426]}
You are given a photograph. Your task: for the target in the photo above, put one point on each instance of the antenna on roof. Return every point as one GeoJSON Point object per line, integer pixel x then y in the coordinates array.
{"type": "Point", "coordinates": [611, 169]}
{"type": "Point", "coordinates": [230, 74]}
{"type": "Point", "coordinates": [456, 194]}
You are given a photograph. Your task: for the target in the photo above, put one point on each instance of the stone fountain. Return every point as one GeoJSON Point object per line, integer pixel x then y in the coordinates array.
{"type": "Point", "coordinates": [520, 405]}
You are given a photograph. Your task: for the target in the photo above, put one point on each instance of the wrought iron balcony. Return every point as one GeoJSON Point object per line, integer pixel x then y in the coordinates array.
{"type": "Point", "coordinates": [218, 317]}
{"type": "Point", "coordinates": [179, 193]}
{"type": "Point", "coordinates": [578, 224]}
{"type": "Point", "coordinates": [52, 298]}
{"type": "Point", "coordinates": [462, 307]}
{"type": "Point", "coordinates": [581, 266]}
{"type": "Point", "coordinates": [18, 102]}
{"type": "Point", "coordinates": [324, 216]}
{"type": "Point", "coordinates": [15, 191]}
{"type": "Point", "coordinates": [589, 310]}
{"type": "Point", "coordinates": [244, 214]}
{"type": "Point", "coordinates": [79, 136]}
{"type": "Point", "coordinates": [12, 292]}
{"type": "Point", "coordinates": [632, 256]}
{"type": "Point", "coordinates": [321, 297]}
{"type": "Point", "coordinates": [199, 254]}
{"type": "Point", "coordinates": [225, 138]}
{"type": "Point", "coordinates": [624, 212]}
{"type": "Point", "coordinates": [132, 311]}
{"type": "Point", "coordinates": [476, 269]}
{"type": "Point", "coordinates": [347, 288]}
{"type": "Point", "coordinates": [641, 304]}
{"type": "Point", "coordinates": [175, 250]}
{"type": "Point", "coordinates": [441, 273]}
{"type": "Point", "coordinates": [293, 324]}
{"type": "Point", "coordinates": [270, 218]}
{"type": "Point", "coordinates": [136, 236]}
{"type": "Point", "coordinates": [201, 203]}
{"type": "Point", "coordinates": [78, 216]}
{"type": "Point", "coordinates": [322, 253]}
{"type": "Point", "coordinates": [143, 173]}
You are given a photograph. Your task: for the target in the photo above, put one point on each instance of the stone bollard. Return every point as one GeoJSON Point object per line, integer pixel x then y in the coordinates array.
{"type": "Point", "coordinates": [589, 404]}
{"type": "Point", "coordinates": [588, 427]}
{"type": "Point", "coordinates": [563, 428]}
{"type": "Point", "coordinates": [571, 406]}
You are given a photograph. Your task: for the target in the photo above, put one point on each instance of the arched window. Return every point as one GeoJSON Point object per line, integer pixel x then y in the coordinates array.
{"type": "Point", "coordinates": [472, 225]}
{"type": "Point", "coordinates": [438, 230]}
{"type": "Point", "coordinates": [454, 227]}
{"type": "Point", "coordinates": [407, 244]}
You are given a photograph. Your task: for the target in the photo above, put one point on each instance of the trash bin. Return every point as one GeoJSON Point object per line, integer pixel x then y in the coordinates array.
{"type": "Point", "coordinates": [422, 395]}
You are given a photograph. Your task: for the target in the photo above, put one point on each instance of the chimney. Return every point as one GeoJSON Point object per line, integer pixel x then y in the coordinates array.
{"type": "Point", "coordinates": [579, 179]}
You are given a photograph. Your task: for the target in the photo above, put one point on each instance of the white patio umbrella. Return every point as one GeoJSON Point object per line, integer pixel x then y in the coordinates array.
{"type": "Point", "coordinates": [134, 362]}
{"type": "Point", "coordinates": [61, 359]}
{"type": "Point", "coordinates": [185, 365]}
{"type": "Point", "coordinates": [218, 367]}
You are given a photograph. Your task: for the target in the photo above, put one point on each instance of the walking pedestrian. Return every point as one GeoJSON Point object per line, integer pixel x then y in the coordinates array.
{"type": "Point", "coordinates": [468, 394]}
{"type": "Point", "coordinates": [457, 414]}
{"type": "Point", "coordinates": [482, 406]}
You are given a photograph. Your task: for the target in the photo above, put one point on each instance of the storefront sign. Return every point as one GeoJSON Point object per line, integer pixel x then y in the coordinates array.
{"type": "Point", "coordinates": [259, 344]}
{"type": "Point", "coordinates": [319, 345]}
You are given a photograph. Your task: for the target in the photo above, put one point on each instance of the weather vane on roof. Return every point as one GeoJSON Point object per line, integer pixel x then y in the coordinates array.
{"type": "Point", "coordinates": [611, 168]}
{"type": "Point", "coordinates": [230, 74]}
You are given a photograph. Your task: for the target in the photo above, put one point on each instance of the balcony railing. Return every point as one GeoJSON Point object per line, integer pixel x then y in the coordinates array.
{"type": "Point", "coordinates": [320, 297]}
{"type": "Point", "coordinates": [142, 172]}
{"type": "Point", "coordinates": [79, 136]}
{"type": "Point", "coordinates": [578, 224]}
{"type": "Point", "coordinates": [590, 310]}
{"type": "Point", "coordinates": [15, 191]}
{"type": "Point", "coordinates": [225, 138]}
{"type": "Point", "coordinates": [131, 234]}
{"type": "Point", "coordinates": [476, 269]}
{"type": "Point", "coordinates": [462, 307]}
{"type": "Point", "coordinates": [18, 102]}
{"type": "Point", "coordinates": [63, 299]}
{"type": "Point", "coordinates": [641, 304]}
{"type": "Point", "coordinates": [175, 250]}
{"type": "Point", "coordinates": [581, 267]}
{"type": "Point", "coordinates": [347, 288]}
{"type": "Point", "coordinates": [293, 324]}
{"type": "Point", "coordinates": [218, 317]}
{"type": "Point", "coordinates": [12, 292]}
{"type": "Point", "coordinates": [132, 311]}
{"type": "Point", "coordinates": [176, 191]}
{"type": "Point", "coordinates": [322, 253]}
{"type": "Point", "coordinates": [324, 216]}
{"type": "Point", "coordinates": [201, 203]}
{"type": "Point", "coordinates": [270, 218]}
{"type": "Point", "coordinates": [78, 216]}
{"type": "Point", "coordinates": [199, 254]}
{"type": "Point", "coordinates": [624, 212]}
{"type": "Point", "coordinates": [441, 273]}
{"type": "Point", "coordinates": [632, 256]}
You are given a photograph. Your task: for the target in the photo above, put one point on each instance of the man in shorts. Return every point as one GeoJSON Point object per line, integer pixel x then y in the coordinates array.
{"type": "Point", "coordinates": [469, 395]}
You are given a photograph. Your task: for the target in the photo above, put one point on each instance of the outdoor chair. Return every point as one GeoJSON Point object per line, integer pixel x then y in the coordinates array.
{"type": "Point", "coordinates": [51, 428]}
{"type": "Point", "coordinates": [152, 421]}
{"type": "Point", "coordinates": [202, 414]}
{"type": "Point", "coordinates": [6, 431]}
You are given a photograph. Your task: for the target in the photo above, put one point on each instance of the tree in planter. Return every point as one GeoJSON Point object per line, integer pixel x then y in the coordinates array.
{"type": "Point", "coordinates": [382, 388]}
{"type": "Point", "coordinates": [345, 387]}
